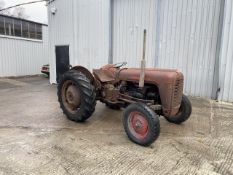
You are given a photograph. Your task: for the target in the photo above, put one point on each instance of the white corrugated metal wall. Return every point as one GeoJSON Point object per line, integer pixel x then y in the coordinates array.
{"type": "Point", "coordinates": [189, 33]}
{"type": "Point", "coordinates": [187, 36]}
{"type": "Point", "coordinates": [182, 34]}
{"type": "Point", "coordinates": [92, 30]}
{"type": "Point", "coordinates": [84, 26]}
{"type": "Point", "coordinates": [226, 55]}
{"type": "Point", "coordinates": [61, 32]}
{"type": "Point", "coordinates": [19, 57]}
{"type": "Point", "coordinates": [130, 18]}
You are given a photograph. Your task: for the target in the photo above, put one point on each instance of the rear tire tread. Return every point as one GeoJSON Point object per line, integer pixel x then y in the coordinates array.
{"type": "Point", "coordinates": [87, 92]}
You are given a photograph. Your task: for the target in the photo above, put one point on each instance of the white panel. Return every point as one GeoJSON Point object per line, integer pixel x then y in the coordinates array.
{"type": "Point", "coordinates": [131, 17]}
{"type": "Point", "coordinates": [20, 57]}
{"type": "Point", "coordinates": [226, 55]}
{"type": "Point", "coordinates": [84, 26]}
{"type": "Point", "coordinates": [61, 31]}
{"type": "Point", "coordinates": [92, 27]}
{"type": "Point", "coordinates": [189, 31]}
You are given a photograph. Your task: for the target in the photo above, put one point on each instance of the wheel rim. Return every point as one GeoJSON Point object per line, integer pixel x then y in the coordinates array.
{"type": "Point", "coordinates": [71, 97]}
{"type": "Point", "coordinates": [138, 125]}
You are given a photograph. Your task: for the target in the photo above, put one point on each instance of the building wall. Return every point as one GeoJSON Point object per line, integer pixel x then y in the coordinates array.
{"type": "Point", "coordinates": [189, 35]}
{"type": "Point", "coordinates": [181, 34]}
{"type": "Point", "coordinates": [130, 18]}
{"type": "Point", "coordinates": [61, 32]}
{"type": "Point", "coordinates": [19, 57]}
{"type": "Point", "coordinates": [226, 55]}
{"type": "Point", "coordinates": [84, 26]}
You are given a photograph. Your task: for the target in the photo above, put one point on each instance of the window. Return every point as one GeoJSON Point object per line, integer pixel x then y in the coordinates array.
{"type": "Point", "coordinates": [32, 30]}
{"type": "Point", "coordinates": [38, 32]}
{"type": "Point", "coordinates": [9, 27]}
{"type": "Point", "coordinates": [18, 28]}
{"type": "Point", "coordinates": [2, 26]}
{"type": "Point", "coordinates": [25, 29]}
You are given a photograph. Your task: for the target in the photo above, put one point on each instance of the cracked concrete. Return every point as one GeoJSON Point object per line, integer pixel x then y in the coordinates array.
{"type": "Point", "coordinates": [36, 138]}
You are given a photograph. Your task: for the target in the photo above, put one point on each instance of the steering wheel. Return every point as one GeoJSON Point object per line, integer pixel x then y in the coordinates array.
{"type": "Point", "coordinates": [119, 65]}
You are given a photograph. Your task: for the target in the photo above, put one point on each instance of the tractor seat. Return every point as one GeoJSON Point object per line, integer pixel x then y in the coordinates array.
{"type": "Point", "coordinates": [104, 75]}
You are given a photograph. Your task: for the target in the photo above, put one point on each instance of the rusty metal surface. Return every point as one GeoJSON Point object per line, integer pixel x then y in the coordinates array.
{"type": "Point", "coordinates": [71, 96]}
{"type": "Point", "coordinates": [131, 99]}
{"type": "Point", "coordinates": [85, 72]}
{"type": "Point", "coordinates": [169, 82]}
{"type": "Point", "coordinates": [110, 93]}
{"type": "Point", "coordinates": [104, 75]}
{"type": "Point", "coordinates": [170, 93]}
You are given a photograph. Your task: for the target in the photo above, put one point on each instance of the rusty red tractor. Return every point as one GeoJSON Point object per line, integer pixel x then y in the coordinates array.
{"type": "Point", "coordinates": [160, 94]}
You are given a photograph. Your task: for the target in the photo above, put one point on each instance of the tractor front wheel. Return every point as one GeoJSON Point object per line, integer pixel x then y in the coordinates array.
{"type": "Point", "coordinates": [141, 124]}
{"type": "Point", "coordinates": [184, 112]}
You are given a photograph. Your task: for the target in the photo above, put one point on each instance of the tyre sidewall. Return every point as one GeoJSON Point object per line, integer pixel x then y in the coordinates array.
{"type": "Point", "coordinates": [151, 118]}
{"type": "Point", "coordinates": [184, 114]}
{"type": "Point", "coordinates": [78, 116]}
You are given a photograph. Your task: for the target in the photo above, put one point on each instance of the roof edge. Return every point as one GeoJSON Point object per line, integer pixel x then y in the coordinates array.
{"type": "Point", "coordinates": [23, 19]}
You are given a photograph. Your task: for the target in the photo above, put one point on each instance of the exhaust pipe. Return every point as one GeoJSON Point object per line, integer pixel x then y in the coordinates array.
{"type": "Point", "coordinates": [143, 63]}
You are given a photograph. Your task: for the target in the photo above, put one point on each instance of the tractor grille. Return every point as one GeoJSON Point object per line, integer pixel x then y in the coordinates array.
{"type": "Point", "coordinates": [178, 92]}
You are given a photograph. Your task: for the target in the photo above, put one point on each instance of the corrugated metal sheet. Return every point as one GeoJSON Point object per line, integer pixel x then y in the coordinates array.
{"type": "Point", "coordinates": [84, 26]}
{"type": "Point", "coordinates": [92, 27]}
{"type": "Point", "coordinates": [61, 31]}
{"type": "Point", "coordinates": [182, 33]}
{"type": "Point", "coordinates": [189, 31]}
{"type": "Point", "coordinates": [226, 55]}
{"type": "Point", "coordinates": [130, 18]}
{"type": "Point", "coordinates": [19, 57]}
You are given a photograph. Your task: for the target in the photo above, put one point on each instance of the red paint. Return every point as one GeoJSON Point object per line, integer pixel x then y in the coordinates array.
{"type": "Point", "coordinates": [138, 125]}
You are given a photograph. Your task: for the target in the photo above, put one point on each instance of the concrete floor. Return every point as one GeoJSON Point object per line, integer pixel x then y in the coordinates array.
{"type": "Point", "coordinates": [36, 138]}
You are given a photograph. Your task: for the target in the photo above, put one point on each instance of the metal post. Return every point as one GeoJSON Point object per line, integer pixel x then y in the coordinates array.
{"type": "Point", "coordinates": [217, 79]}
{"type": "Point", "coordinates": [158, 32]}
{"type": "Point", "coordinates": [143, 62]}
{"type": "Point", "coordinates": [111, 30]}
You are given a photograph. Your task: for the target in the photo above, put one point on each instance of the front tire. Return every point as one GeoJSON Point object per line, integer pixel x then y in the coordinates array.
{"type": "Point", "coordinates": [76, 96]}
{"type": "Point", "coordinates": [141, 124]}
{"type": "Point", "coordinates": [184, 112]}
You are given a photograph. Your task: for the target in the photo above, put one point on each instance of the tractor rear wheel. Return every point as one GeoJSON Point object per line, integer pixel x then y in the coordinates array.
{"type": "Point", "coordinates": [141, 124]}
{"type": "Point", "coordinates": [76, 96]}
{"type": "Point", "coordinates": [184, 112]}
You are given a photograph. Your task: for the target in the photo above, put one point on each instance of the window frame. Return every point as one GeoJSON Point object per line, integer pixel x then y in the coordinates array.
{"type": "Point", "coordinates": [34, 32]}
{"type": "Point", "coordinates": [4, 30]}
{"type": "Point", "coordinates": [15, 28]}
{"type": "Point", "coordinates": [9, 26]}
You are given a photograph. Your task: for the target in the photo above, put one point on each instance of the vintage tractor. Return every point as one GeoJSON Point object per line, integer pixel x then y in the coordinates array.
{"type": "Point", "coordinates": [144, 93]}
{"type": "Point", "coordinates": [161, 94]}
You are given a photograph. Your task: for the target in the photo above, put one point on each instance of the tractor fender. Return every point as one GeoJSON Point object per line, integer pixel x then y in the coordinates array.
{"type": "Point", "coordinates": [85, 72]}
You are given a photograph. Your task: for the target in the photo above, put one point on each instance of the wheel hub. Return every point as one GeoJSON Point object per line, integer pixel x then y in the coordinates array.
{"type": "Point", "coordinates": [73, 96]}
{"type": "Point", "coordinates": [138, 125]}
